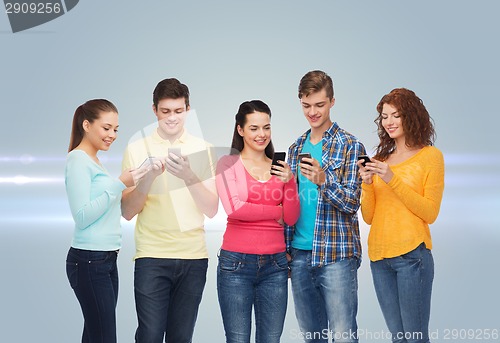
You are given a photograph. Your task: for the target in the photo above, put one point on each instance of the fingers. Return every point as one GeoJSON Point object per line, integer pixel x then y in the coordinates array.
{"type": "Point", "coordinates": [313, 172]}
{"type": "Point", "coordinates": [284, 171]}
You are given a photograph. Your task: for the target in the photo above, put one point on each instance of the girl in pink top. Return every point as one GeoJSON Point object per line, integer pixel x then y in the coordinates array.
{"type": "Point", "coordinates": [258, 199]}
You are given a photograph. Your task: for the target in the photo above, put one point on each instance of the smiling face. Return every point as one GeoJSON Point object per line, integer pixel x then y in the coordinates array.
{"type": "Point", "coordinates": [171, 115]}
{"type": "Point", "coordinates": [391, 122]}
{"type": "Point", "coordinates": [256, 132]}
{"type": "Point", "coordinates": [101, 133]}
{"type": "Point", "coordinates": [316, 107]}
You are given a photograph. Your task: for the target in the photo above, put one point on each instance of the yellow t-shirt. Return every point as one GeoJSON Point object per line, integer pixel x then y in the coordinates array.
{"type": "Point", "coordinates": [400, 212]}
{"type": "Point", "coordinates": [170, 225]}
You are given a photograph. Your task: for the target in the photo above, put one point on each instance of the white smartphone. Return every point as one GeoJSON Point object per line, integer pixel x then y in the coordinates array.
{"type": "Point", "coordinates": [174, 151]}
{"type": "Point", "coordinates": [148, 160]}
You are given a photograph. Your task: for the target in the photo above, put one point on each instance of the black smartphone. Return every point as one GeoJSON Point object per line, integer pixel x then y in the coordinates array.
{"type": "Point", "coordinates": [365, 159]}
{"type": "Point", "coordinates": [302, 155]}
{"type": "Point", "coordinates": [278, 156]}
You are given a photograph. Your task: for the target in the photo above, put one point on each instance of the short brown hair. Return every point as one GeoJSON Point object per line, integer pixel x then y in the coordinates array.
{"type": "Point", "coordinates": [315, 81]}
{"type": "Point", "coordinates": [170, 89]}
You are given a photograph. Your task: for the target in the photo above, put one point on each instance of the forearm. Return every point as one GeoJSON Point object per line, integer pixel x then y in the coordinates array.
{"type": "Point", "coordinates": [424, 206]}
{"type": "Point", "coordinates": [133, 199]}
{"type": "Point", "coordinates": [367, 202]}
{"type": "Point", "coordinates": [93, 210]}
{"type": "Point", "coordinates": [233, 197]}
{"type": "Point", "coordinates": [344, 198]}
{"type": "Point", "coordinates": [291, 204]}
{"type": "Point", "coordinates": [342, 187]}
{"type": "Point", "coordinates": [204, 195]}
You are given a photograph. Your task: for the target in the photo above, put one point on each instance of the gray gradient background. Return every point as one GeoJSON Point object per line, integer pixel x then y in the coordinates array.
{"type": "Point", "coordinates": [229, 52]}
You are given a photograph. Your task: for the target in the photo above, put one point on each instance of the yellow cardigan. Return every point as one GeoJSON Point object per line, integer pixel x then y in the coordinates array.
{"type": "Point", "coordinates": [400, 211]}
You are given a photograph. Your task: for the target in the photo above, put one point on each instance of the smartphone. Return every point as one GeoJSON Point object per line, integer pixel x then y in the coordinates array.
{"type": "Point", "coordinates": [304, 154]}
{"type": "Point", "coordinates": [148, 160]}
{"type": "Point", "coordinates": [174, 151]}
{"type": "Point", "coordinates": [365, 159]}
{"type": "Point", "coordinates": [278, 156]}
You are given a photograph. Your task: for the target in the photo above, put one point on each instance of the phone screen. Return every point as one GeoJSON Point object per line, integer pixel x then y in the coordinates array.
{"type": "Point", "coordinates": [278, 156]}
{"type": "Point", "coordinates": [175, 151]}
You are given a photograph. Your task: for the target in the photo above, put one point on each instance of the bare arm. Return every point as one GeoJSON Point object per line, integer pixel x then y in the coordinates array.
{"type": "Point", "coordinates": [134, 198]}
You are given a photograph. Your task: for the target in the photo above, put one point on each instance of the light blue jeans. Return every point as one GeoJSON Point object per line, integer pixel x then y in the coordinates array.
{"type": "Point", "coordinates": [326, 298]}
{"type": "Point", "coordinates": [403, 285]}
{"type": "Point", "coordinates": [246, 280]}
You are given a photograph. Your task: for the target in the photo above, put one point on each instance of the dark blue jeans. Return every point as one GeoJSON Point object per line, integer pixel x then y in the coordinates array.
{"type": "Point", "coordinates": [167, 296]}
{"type": "Point", "coordinates": [403, 285]}
{"type": "Point", "coordinates": [246, 280]}
{"type": "Point", "coordinates": [93, 275]}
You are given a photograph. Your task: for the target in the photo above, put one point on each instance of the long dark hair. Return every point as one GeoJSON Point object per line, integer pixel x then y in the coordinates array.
{"type": "Point", "coordinates": [417, 123]}
{"type": "Point", "coordinates": [91, 110]}
{"type": "Point", "coordinates": [241, 118]}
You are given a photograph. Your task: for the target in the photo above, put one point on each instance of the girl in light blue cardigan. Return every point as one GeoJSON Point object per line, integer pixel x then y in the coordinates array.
{"type": "Point", "coordinates": [94, 199]}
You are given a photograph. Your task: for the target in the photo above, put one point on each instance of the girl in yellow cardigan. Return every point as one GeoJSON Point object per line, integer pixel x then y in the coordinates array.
{"type": "Point", "coordinates": [402, 191]}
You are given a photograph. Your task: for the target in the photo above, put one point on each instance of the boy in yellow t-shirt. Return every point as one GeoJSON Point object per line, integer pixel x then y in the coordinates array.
{"type": "Point", "coordinates": [171, 201]}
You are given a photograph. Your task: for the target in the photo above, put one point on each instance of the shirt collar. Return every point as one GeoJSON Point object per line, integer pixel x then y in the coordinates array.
{"type": "Point", "coordinates": [181, 140]}
{"type": "Point", "coordinates": [331, 131]}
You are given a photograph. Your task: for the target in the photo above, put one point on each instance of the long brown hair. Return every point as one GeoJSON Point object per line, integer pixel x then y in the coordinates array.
{"type": "Point", "coordinates": [417, 123]}
{"type": "Point", "coordinates": [91, 110]}
{"type": "Point", "coordinates": [241, 118]}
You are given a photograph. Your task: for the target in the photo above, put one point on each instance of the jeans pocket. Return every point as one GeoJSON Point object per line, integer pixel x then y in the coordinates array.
{"type": "Point", "coordinates": [281, 262]}
{"type": "Point", "coordinates": [228, 265]}
{"type": "Point", "coordinates": [72, 273]}
{"type": "Point", "coordinates": [99, 257]}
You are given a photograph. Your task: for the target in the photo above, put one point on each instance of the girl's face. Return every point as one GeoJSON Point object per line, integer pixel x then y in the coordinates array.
{"type": "Point", "coordinates": [102, 132]}
{"type": "Point", "coordinates": [391, 122]}
{"type": "Point", "coordinates": [256, 132]}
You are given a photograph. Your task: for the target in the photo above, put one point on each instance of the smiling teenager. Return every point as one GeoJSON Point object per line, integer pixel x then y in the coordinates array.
{"type": "Point", "coordinates": [402, 191]}
{"type": "Point", "coordinates": [171, 203]}
{"type": "Point", "coordinates": [94, 198]}
{"type": "Point", "coordinates": [253, 268]}
{"type": "Point", "coordinates": [324, 245]}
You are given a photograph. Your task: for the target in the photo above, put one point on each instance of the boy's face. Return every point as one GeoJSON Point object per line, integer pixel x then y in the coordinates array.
{"type": "Point", "coordinates": [171, 114]}
{"type": "Point", "coordinates": [316, 108]}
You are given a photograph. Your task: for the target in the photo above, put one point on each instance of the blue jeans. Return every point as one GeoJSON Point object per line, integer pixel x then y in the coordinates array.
{"type": "Point", "coordinates": [93, 275]}
{"type": "Point", "coordinates": [167, 296]}
{"type": "Point", "coordinates": [326, 298]}
{"type": "Point", "coordinates": [403, 285]}
{"type": "Point", "coordinates": [246, 280]}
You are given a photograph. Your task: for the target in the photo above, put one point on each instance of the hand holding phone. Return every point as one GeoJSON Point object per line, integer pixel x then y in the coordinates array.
{"type": "Point", "coordinates": [174, 151]}
{"type": "Point", "coordinates": [278, 156]}
{"type": "Point", "coordinates": [365, 159]}
{"type": "Point", "coordinates": [307, 155]}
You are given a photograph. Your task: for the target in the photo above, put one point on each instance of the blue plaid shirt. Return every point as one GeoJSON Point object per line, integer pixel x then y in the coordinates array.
{"type": "Point", "coordinates": [336, 229]}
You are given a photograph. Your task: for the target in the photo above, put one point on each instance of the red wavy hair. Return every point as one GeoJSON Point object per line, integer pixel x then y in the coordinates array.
{"type": "Point", "coordinates": [417, 123]}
